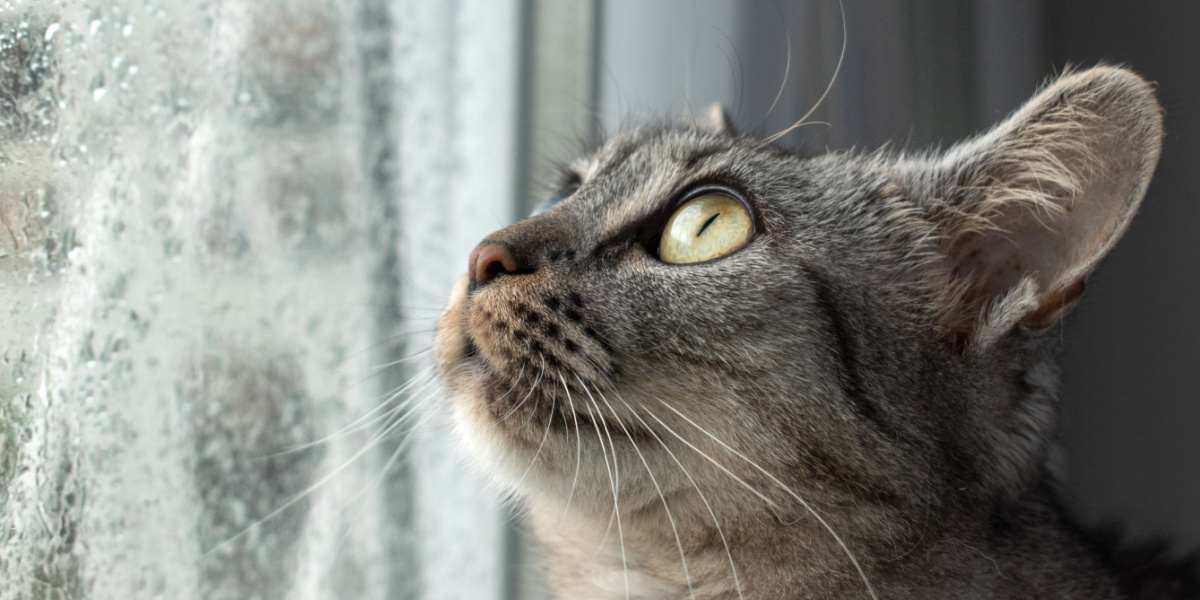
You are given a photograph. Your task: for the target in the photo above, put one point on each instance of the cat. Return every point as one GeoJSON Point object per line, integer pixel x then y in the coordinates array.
{"type": "Point", "coordinates": [713, 368]}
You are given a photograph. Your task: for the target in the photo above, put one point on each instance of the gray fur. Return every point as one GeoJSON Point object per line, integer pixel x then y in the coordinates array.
{"type": "Point", "coordinates": [875, 371]}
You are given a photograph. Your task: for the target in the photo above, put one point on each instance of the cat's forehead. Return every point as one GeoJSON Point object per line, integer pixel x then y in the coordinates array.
{"type": "Point", "coordinates": [633, 174]}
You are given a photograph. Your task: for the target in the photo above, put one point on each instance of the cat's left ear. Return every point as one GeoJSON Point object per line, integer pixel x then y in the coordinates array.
{"type": "Point", "coordinates": [1027, 210]}
{"type": "Point", "coordinates": [715, 120]}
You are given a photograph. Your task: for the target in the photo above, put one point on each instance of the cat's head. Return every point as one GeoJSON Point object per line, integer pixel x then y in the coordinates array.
{"type": "Point", "coordinates": [863, 331]}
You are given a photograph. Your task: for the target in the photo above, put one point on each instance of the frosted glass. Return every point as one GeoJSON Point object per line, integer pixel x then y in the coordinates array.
{"type": "Point", "coordinates": [218, 220]}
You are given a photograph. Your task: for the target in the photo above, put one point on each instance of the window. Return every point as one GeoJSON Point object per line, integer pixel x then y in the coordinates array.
{"type": "Point", "coordinates": [221, 227]}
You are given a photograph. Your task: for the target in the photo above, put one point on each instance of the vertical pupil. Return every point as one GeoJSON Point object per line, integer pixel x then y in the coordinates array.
{"type": "Point", "coordinates": [706, 224]}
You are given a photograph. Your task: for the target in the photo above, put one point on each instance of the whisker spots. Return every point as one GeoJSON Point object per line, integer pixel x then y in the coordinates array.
{"type": "Point", "coordinates": [528, 315]}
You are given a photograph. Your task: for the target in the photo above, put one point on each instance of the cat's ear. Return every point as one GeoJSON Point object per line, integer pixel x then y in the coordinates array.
{"type": "Point", "coordinates": [715, 120]}
{"type": "Point", "coordinates": [1027, 210]}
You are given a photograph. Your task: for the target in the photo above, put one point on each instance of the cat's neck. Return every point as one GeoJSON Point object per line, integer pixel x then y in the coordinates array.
{"type": "Point", "coordinates": [750, 556]}
{"type": "Point", "coordinates": [589, 559]}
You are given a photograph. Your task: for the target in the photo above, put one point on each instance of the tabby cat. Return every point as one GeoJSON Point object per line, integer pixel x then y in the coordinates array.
{"type": "Point", "coordinates": [717, 369]}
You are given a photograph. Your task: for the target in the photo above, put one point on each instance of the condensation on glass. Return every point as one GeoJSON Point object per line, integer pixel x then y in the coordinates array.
{"type": "Point", "coordinates": [205, 258]}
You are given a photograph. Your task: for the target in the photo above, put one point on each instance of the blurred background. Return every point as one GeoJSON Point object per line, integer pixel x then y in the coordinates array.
{"type": "Point", "coordinates": [226, 228]}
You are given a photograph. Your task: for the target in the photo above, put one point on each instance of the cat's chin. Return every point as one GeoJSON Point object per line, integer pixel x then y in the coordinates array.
{"type": "Point", "coordinates": [473, 390]}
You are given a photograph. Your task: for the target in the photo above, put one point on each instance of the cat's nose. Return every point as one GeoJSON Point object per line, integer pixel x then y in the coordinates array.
{"type": "Point", "coordinates": [490, 260]}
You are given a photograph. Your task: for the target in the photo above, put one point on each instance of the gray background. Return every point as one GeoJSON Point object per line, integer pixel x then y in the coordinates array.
{"type": "Point", "coordinates": [920, 74]}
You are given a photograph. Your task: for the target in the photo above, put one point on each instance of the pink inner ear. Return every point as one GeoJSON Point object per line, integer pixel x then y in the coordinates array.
{"type": "Point", "coordinates": [1027, 210]}
{"type": "Point", "coordinates": [1055, 245]}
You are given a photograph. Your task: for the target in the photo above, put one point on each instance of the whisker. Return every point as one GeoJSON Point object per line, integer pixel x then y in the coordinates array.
{"type": "Point", "coordinates": [616, 482]}
{"type": "Point", "coordinates": [653, 480]}
{"type": "Point", "coordinates": [832, 79]}
{"type": "Point", "coordinates": [737, 584]}
{"type": "Point", "coordinates": [401, 360]}
{"type": "Point", "coordinates": [537, 380]}
{"type": "Point", "coordinates": [608, 469]}
{"type": "Point", "coordinates": [387, 466]}
{"type": "Point", "coordinates": [433, 309]}
{"type": "Point", "coordinates": [714, 461]}
{"type": "Point", "coordinates": [520, 376]}
{"type": "Point", "coordinates": [542, 444]}
{"type": "Point", "coordinates": [787, 68]}
{"type": "Point", "coordinates": [375, 371]}
{"type": "Point", "coordinates": [529, 417]}
{"type": "Point", "coordinates": [578, 445]}
{"type": "Point", "coordinates": [309, 490]}
{"type": "Point", "coordinates": [808, 507]}
{"type": "Point", "coordinates": [425, 378]}
{"type": "Point", "coordinates": [387, 339]}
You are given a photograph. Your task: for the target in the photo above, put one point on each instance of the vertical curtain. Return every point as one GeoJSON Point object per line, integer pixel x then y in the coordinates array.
{"type": "Point", "coordinates": [223, 225]}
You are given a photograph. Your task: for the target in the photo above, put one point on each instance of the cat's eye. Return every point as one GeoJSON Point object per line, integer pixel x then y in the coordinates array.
{"type": "Point", "coordinates": [706, 227]}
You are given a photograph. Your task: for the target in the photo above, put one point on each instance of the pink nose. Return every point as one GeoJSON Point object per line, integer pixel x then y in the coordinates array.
{"type": "Point", "coordinates": [489, 260]}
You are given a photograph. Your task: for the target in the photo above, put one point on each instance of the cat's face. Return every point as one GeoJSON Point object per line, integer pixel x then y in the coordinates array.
{"type": "Point", "coordinates": [851, 330]}
{"type": "Point", "coordinates": [749, 345]}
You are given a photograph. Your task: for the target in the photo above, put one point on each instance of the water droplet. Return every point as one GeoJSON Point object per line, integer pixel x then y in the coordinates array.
{"type": "Point", "coordinates": [98, 88]}
{"type": "Point", "coordinates": [51, 30]}
{"type": "Point", "coordinates": [127, 30]}
{"type": "Point", "coordinates": [94, 26]}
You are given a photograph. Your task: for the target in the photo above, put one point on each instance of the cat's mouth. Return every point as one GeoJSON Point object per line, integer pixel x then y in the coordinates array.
{"type": "Point", "coordinates": [533, 364]}
{"type": "Point", "coordinates": [546, 395]}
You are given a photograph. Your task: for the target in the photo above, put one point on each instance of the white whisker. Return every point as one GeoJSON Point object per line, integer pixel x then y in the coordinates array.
{"type": "Point", "coordinates": [737, 584]}
{"type": "Point", "coordinates": [376, 369]}
{"type": "Point", "coordinates": [832, 79]}
{"type": "Point", "coordinates": [542, 444]}
{"type": "Point", "coordinates": [654, 480]}
{"type": "Point", "coordinates": [425, 379]}
{"type": "Point", "coordinates": [808, 507]}
{"type": "Point", "coordinates": [612, 483]}
{"type": "Point", "coordinates": [312, 488]}
{"type": "Point", "coordinates": [787, 70]}
{"type": "Point", "coordinates": [616, 482]}
{"type": "Point", "coordinates": [715, 462]}
{"type": "Point", "coordinates": [536, 381]}
{"type": "Point", "coordinates": [387, 466]}
{"type": "Point", "coordinates": [578, 445]}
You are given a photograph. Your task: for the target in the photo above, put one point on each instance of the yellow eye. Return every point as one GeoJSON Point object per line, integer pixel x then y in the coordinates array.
{"type": "Point", "coordinates": [705, 227]}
